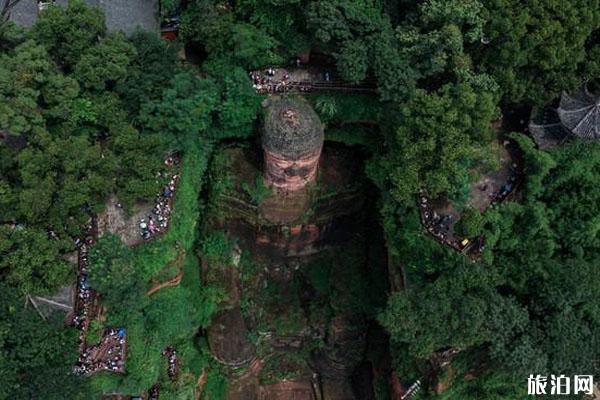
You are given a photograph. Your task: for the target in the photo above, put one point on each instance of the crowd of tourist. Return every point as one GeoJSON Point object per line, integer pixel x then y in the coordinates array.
{"type": "Point", "coordinates": [508, 187]}
{"type": "Point", "coordinates": [84, 295]}
{"type": "Point", "coordinates": [412, 390]}
{"type": "Point", "coordinates": [154, 392]}
{"type": "Point", "coordinates": [108, 355]}
{"type": "Point", "coordinates": [158, 220]}
{"type": "Point", "coordinates": [171, 355]}
{"type": "Point", "coordinates": [440, 226]}
{"type": "Point", "coordinates": [274, 80]}
{"type": "Point", "coordinates": [277, 80]}
{"type": "Point", "coordinates": [280, 80]}
{"type": "Point", "coordinates": [437, 225]}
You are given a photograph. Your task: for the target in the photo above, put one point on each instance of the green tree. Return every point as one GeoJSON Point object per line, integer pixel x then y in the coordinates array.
{"type": "Point", "coordinates": [433, 140]}
{"type": "Point", "coordinates": [56, 187]}
{"type": "Point", "coordinates": [536, 49]}
{"type": "Point", "coordinates": [184, 109]}
{"type": "Point", "coordinates": [463, 306]}
{"type": "Point", "coordinates": [169, 7]}
{"type": "Point", "coordinates": [36, 357]}
{"type": "Point", "coordinates": [10, 35]}
{"type": "Point", "coordinates": [532, 292]}
{"type": "Point", "coordinates": [140, 156]}
{"type": "Point", "coordinates": [223, 37]}
{"type": "Point", "coordinates": [24, 76]}
{"type": "Point", "coordinates": [7, 202]}
{"type": "Point", "coordinates": [105, 64]}
{"type": "Point", "coordinates": [468, 16]}
{"type": "Point", "coordinates": [251, 47]}
{"type": "Point", "coordinates": [433, 39]}
{"type": "Point", "coordinates": [238, 106]}
{"type": "Point", "coordinates": [114, 274]}
{"type": "Point", "coordinates": [282, 19]}
{"type": "Point", "coordinates": [68, 32]}
{"type": "Point", "coordinates": [353, 59]}
{"type": "Point", "coordinates": [366, 42]}
{"type": "Point", "coordinates": [31, 262]}
{"type": "Point", "coordinates": [151, 70]}
{"type": "Point", "coordinates": [470, 223]}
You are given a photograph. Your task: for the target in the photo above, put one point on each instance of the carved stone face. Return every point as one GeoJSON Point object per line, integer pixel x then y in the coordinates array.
{"type": "Point", "coordinates": [290, 174]}
{"type": "Point", "coordinates": [296, 170]}
{"type": "Point", "coordinates": [292, 141]}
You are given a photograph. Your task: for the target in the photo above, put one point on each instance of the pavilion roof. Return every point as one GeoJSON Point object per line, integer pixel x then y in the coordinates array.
{"type": "Point", "coordinates": [579, 112]}
{"type": "Point", "coordinates": [546, 129]}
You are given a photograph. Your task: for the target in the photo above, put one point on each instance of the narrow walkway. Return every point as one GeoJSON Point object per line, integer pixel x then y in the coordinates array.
{"type": "Point", "coordinates": [280, 80]}
{"type": "Point", "coordinates": [173, 365]}
{"type": "Point", "coordinates": [157, 221]}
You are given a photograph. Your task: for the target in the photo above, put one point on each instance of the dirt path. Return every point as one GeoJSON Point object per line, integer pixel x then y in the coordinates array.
{"type": "Point", "coordinates": [173, 282]}
{"type": "Point", "coordinates": [176, 280]}
{"type": "Point", "coordinates": [202, 379]}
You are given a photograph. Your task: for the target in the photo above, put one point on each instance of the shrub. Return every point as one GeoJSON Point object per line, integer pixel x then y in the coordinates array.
{"type": "Point", "coordinates": [470, 223]}
{"type": "Point", "coordinates": [259, 191]}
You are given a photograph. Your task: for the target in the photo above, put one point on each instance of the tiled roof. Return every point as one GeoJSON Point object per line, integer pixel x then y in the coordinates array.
{"type": "Point", "coordinates": [580, 113]}
{"type": "Point", "coordinates": [127, 15]}
{"type": "Point", "coordinates": [121, 15]}
{"type": "Point", "coordinates": [24, 13]}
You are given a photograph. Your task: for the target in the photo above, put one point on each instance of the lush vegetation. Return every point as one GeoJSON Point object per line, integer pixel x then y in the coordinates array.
{"type": "Point", "coordinates": [124, 275]}
{"type": "Point", "coordinates": [86, 113]}
{"type": "Point", "coordinates": [528, 304]}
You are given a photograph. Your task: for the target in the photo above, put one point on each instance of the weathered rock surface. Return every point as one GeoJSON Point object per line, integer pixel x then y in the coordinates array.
{"type": "Point", "coordinates": [308, 340]}
{"type": "Point", "coordinates": [292, 142]}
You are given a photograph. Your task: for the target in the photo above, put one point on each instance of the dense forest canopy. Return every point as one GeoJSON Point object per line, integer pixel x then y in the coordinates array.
{"type": "Point", "coordinates": [86, 113]}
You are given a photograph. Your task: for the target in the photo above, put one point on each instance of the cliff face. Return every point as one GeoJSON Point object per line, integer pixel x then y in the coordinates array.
{"type": "Point", "coordinates": [298, 290]}
{"type": "Point", "coordinates": [298, 223]}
